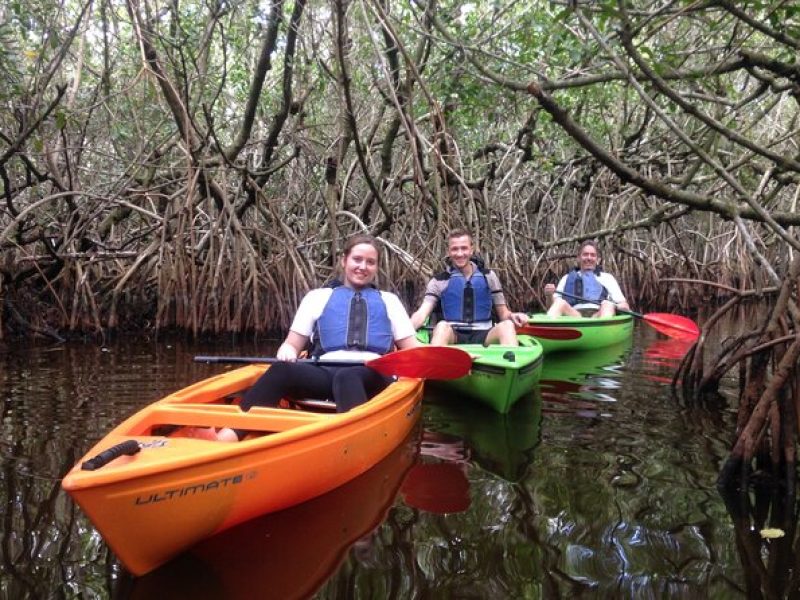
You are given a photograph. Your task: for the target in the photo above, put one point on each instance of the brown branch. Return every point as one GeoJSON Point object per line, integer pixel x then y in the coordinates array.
{"type": "Point", "coordinates": [746, 443]}
{"type": "Point", "coordinates": [271, 143]}
{"type": "Point", "coordinates": [22, 137]}
{"type": "Point", "coordinates": [627, 42]}
{"type": "Point", "coordinates": [341, 43]}
{"type": "Point", "coordinates": [759, 25]}
{"type": "Point", "coordinates": [257, 85]}
{"type": "Point", "coordinates": [168, 89]}
{"type": "Point", "coordinates": [627, 174]}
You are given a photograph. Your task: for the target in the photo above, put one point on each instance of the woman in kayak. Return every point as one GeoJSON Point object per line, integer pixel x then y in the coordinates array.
{"type": "Point", "coordinates": [349, 320]}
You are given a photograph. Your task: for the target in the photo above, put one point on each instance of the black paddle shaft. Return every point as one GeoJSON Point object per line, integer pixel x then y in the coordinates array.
{"type": "Point", "coordinates": [272, 360]}
{"type": "Point", "coordinates": [597, 302]}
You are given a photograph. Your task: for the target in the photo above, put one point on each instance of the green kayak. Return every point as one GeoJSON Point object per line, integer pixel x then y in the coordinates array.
{"type": "Point", "coordinates": [500, 375]}
{"type": "Point", "coordinates": [557, 334]}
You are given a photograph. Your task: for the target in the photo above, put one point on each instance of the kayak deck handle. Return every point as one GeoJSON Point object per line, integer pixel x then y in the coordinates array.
{"type": "Point", "coordinates": [129, 447]}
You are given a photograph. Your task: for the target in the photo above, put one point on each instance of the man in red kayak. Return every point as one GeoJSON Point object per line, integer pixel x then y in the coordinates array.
{"type": "Point", "coordinates": [467, 294]}
{"type": "Point", "coordinates": [587, 281]}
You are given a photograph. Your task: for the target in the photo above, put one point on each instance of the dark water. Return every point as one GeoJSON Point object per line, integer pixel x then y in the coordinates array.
{"type": "Point", "coordinates": [599, 484]}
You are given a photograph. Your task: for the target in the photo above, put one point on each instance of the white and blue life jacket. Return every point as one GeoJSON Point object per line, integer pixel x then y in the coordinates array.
{"type": "Point", "coordinates": [584, 285]}
{"type": "Point", "coordinates": [354, 320]}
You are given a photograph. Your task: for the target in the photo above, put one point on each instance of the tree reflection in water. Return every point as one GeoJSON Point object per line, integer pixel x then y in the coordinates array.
{"type": "Point", "coordinates": [597, 484]}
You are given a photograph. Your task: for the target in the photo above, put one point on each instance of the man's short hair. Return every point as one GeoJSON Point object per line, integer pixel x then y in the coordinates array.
{"type": "Point", "coordinates": [459, 232]}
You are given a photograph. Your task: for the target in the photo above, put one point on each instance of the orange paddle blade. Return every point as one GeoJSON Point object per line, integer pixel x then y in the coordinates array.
{"type": "Point", "coordinates": [674, 326]}
{"type": "Point", "coordinates": [424, 362]}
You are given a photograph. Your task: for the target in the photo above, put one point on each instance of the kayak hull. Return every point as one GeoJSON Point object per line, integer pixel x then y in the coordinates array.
{"type": "Point", "coordinates": [290, 553]}
{"type": "Point", "coordinates": [560, 334]}
{"type": "Point", "coordinates": [500, 375]}
{"type": "Point", "coordinates": [176, 491]}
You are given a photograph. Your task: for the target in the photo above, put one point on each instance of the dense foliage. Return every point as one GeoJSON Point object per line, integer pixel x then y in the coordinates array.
{"type": "Point", "coordinates": [196, 164]}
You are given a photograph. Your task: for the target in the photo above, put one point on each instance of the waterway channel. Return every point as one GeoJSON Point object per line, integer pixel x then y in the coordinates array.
{"type": "Point", "coordinates": [600, 483]}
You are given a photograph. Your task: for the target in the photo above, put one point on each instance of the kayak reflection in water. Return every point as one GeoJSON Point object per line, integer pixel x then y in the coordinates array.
{"type": "Point", "coordinates": [439, 487]}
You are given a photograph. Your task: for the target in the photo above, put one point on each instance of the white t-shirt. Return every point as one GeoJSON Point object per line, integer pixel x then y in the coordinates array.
{"type": "Point", "coordinates": [314, 302]}
{"type": "Point", "coordinates": [606, 280]}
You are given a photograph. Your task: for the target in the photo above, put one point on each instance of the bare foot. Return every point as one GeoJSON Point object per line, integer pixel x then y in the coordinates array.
{"type": "Point", "coordinates": [226, 434]}
{"type": "Point", "coordinates": [197, 433]}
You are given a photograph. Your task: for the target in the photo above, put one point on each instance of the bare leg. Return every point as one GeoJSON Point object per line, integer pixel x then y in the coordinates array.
{"type": "Point", "coordinates": [607, 309]}
{"type": "Point", "coordinates": [227, 435]}
{"type": "Point", "coordinates": [561, 307]}
{"type": "Point", "coordinates": [442, 334]}
{"type": "Point", "coordinates": [504, 333]}
{"type": "Point", "coordinates": [197, 433]}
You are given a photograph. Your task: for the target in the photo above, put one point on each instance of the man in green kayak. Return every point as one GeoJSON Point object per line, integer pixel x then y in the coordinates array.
{"type": "Point", "coordinates": [585, 282]}
{"type": "Point", "coordinates": [466, 294]}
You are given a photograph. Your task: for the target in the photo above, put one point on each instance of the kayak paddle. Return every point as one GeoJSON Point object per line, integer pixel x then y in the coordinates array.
{"type": "Point", "coordinates": [546, 332]}
{"type": "Point", "coordinates": [424, 362]}
{"type": "Point", "coordinates": [549, 333]}
{"type": "Point", "coordinates": [674, 326]}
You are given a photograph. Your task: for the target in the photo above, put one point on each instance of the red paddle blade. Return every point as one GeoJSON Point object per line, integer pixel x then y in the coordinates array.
{"type": "Point", "coordinates": [440, 488]}
{"type": "Point", "coordinates": [425, 362]}
{"type": "Point", "coordinates": [549, 333]}
{"type": "Point", "coordinates": [674, 326]}
{"type": "Point", "coordinates": [667, 351]}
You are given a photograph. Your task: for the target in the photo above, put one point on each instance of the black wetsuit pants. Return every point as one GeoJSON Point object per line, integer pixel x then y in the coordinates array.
{"type": "Point", "coordinates": [347, 386]}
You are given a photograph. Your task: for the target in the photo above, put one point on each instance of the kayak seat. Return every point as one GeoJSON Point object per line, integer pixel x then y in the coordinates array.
{"type": "Point", "coordinates": [261, 419]}
{"type": "Point", "coordinates": [314, 405]}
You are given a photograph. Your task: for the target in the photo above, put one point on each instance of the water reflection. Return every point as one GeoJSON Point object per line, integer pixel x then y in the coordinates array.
{"type": "Point", "coordinates": [438, 482]}
{"type": "Point", "coordinates": [289, 554]}
{"type": "Point", "coordinates": [770, 563]}
{"type": "Point", "coordinates": [56, 402]}
{"type": "Point", "coordinates": [500, 444]}
{"type": "Point", "coordinates": [580, 383]}
{"type": "Point", "coordinates": [599, 484]}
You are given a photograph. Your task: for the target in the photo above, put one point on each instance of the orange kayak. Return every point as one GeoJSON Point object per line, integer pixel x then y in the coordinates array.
{"type": "Point", "coordinates": [288, 554]}
{"type": "Point", "coordinates": [175, 491]}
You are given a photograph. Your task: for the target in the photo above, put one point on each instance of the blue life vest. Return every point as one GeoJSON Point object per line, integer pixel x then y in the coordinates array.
{"type": "Point", "coordinates": [467, 300]}
{"type": "Point", "coordinates": [354, 320]}
{"type": "Point", "coordinates": [584, 285]}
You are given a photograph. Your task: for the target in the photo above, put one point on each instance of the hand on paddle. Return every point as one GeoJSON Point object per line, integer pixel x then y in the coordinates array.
{"type": "Point", "coordinates": [519, 319]}
{"type": "Point", "coordinates": [286, 352]}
